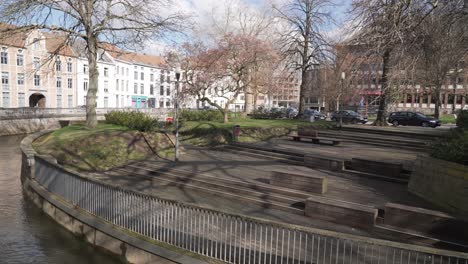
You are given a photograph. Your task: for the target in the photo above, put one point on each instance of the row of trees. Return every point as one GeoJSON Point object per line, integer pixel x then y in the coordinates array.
{"type": "Point", "coordinates": [251, 51]}
{"type": "Point", "coordinates": [415, 41]}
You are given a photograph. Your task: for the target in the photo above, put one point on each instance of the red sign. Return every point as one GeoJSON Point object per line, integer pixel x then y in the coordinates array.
{"type": "Point", "coordinates": [169, 119]}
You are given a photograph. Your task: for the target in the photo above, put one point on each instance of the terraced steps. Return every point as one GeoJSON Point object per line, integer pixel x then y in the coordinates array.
{"type": "Point", "coordinates": [261, 194]}
{"type": "Point", "coordinates": [384, 141]}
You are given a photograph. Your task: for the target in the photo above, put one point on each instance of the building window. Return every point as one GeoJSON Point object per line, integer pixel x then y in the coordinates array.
{"type": "Point", "coordinates": [20, 78]}
{"type": "Point", "coordinates": [168, 103]}
{"type": "Point", "coordinates": [127, 72]}
{"type": "Point", "coordinates": [135, 88]}
{"type": "Point", "coordinates": [142, 88]}
{"type": "Point", "coordinates": [85, 84]}
{"type": "Point", "coordinates": [161, 90]}
{"type": "Point", "coordinates": [118, 69]}
{"type": "Point", "coordinates": [69, 67]}
{"type": "Point", "coordinates": [37, 80]}
{"type": "Point", "coordinates": [59, 84]}
{"type": "Point", "coordinates": [151, 89]}
{"type": "Point", "coordinates": [58, 65]}
{"type": "Point", "coordinates": [106, 72]}
{"type": "Point", "coordinates": [122, 85]}
{"type": "Point", "coordinates": [168, 79]}
{"type": "Point", "coordinates": [152, 77]}
{"type": "Point", "coordinates": [142, 76]}
{"type": "Point", "coordinates": [5, 78]}
{"type": "Point", "coordinates": [21, 100]}
{"type": "Point", "coordinates": [59, 101]}
{"type": "Point", "coordinates": [85, 68]}
{"type": "Point", "coordinates": [19, 59]}
{"type": "Point", "coordinates": [126, 87]}
{"type": "Point", "coordinates": [6, 99]}
{"type": "Point", "coordinates": [36, 63]}
{"type": "Point", "coordinates": [4, 57]}
{"type": "Point", "coordinates": [106, 86]}
{"type": "Point", "coordinates": [168, 91]}
{"type": "Point", "coordinates": [70, 83]}
{"type": "Point", "coordinates": [70, 101]}
{"type": "Point", "coordinates": [135, 75]}
{"type": "Point", "coordinates": [161, 78]}
{"type": "Point", "coordinates": [161, 104]}
{"type": "Point", "coordinates": [36, 43]}
{"type": "Point", "coordinates": [117, 85]}
{"type": "Point", "coordinates": [106, 102]}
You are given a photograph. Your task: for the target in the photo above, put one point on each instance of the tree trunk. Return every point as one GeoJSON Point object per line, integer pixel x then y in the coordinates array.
{"type": "Point", "coordinates": [91, 118]}
{"type": "Point", "coordinates": [226, 116]}
{"type": "Point", "coordinates": [381, 113]}
{"type": "Point", "coordinates": [437, 100]}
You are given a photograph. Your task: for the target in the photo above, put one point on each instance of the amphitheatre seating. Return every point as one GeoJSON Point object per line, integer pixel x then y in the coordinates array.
{"type": "Point", "coordinates": [377, 167]}
{"type": "Point", "coordinates": [341, 212]}
{"type": "Point", "coordinates": [312, 133]}
{"type": "Point", "coordinates": [297, 181]}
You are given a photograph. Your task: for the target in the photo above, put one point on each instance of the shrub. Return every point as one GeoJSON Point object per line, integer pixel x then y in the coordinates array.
{"type": "Point", "coordinates": [267, 114]}
{"type": "Point", "coordinates": [201, 115]}
{"type": "Point", "coordinates": [462, 119]}
{"type": "Point", "coordinates": [133, 120]}
{"type": "Point", "coordinates": [453, 147]}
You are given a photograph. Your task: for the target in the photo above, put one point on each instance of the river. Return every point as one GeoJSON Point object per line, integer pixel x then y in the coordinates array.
{"type": "Point", "coordinates": [27, 235]}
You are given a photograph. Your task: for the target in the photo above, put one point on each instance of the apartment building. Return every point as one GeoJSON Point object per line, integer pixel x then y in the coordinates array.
{"type": "Point", "coordinates": [363, 84]}
{"type": "Point", "coordinates": [37, 71]}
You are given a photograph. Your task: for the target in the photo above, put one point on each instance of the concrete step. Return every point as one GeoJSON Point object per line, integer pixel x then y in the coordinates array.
{"type": "Point", "coordinates": [361, 139]}
{"type": "Point", "coordinates": [267, 197]}
{"type": "Point", "coordinates": [256, 186]}
{"type": "Point", "coordinates": [403, 235]}
{"type": "Point", "coordinates": [376, 177]}
{"type": "Point", "coordinates": [262, 155]}
{"type": "Point", "coordinates": [405, 134]}
{"type": "Point", "coordinates": [245, 198]}
{"type": "Point", "coordinates": [300, 156]}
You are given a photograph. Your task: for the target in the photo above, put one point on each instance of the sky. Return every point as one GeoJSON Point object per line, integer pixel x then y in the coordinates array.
{"type": "Point", "coordinates": [201, 12]}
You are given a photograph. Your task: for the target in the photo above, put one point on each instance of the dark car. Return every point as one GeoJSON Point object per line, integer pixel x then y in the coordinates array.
{"type": "Point", "coordinates": [308, 113]}
{"type": "Point", "coordinates": [412, 119]}
{"type": "Point", "coordinates": [348, 116]}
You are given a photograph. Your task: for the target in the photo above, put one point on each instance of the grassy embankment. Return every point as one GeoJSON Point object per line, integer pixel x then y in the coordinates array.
{"type": "Point", "coordinates": [103, 147]}
{"type": "Point", "coordinates": [252, 130]}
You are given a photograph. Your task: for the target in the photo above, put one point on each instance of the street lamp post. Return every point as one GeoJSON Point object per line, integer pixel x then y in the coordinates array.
{"type": "Point", "coordinates": [176, 115]}
{"type": "Point", "coordinates": [343, 76]}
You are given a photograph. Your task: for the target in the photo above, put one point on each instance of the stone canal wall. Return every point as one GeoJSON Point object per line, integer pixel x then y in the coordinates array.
{"type": "Point", "coordinates": [129, 247]}
{"type": "Point", "coordinates": [442, 183]}
{"type": "Point", "coordinates": [15, 121]}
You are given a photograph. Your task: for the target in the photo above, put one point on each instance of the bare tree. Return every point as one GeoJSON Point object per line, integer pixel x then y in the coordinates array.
{"type": "Point", "coordinates": [385, 26]}
{"type": "Point", "coordinates": [121, 22]}
{"type": "Point", "coordinates": [443, 39]}
{"type": "Point", "coordinates": [303, 40]}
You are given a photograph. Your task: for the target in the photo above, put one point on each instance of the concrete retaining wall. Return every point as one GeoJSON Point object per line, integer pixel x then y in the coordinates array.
{"type": "Point", "coordinates": [295, 181]}
{"type": "Point", "coordinates": [442, 183]}
{"type": "Point", "coordinates": [130, 248]}
{"type": "Point", "coordinates": [322, 162]}
{"type": "Point", "coordinates": [341, 212]}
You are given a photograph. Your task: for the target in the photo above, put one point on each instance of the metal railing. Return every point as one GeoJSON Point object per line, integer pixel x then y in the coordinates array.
{"type": "Point", "coordinates": [227, 237]}
{"type": "Point", "coordinates": [31, 112]}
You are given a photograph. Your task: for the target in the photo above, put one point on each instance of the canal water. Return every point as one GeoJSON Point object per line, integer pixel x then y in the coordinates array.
{"type": "Point", "coordinates": [27, 235]}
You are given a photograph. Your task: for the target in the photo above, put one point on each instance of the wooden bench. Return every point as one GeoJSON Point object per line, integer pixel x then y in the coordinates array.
{"type": "Point", "coordinates": [316, 140]}
{"type": "Point", "coordinates": [312, 133]}
{"type": "Point", "coordinates": [299, 181]}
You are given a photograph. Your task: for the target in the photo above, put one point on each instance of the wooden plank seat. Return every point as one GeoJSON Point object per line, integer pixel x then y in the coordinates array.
{"type": "Point", "coordinates": [312, 133]}
{"type": "Point", "coordinates": [316, 140]}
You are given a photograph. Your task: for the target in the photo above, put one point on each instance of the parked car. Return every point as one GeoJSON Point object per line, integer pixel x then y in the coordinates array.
{"type": "Point", "coordinates": [349, 116]}
{"type": "Point", "coordinates": [308, 113]}
{"type": "Point", "coordinates": [291, 112]}
{"type": "Point", "coordinates": [412, 119]}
